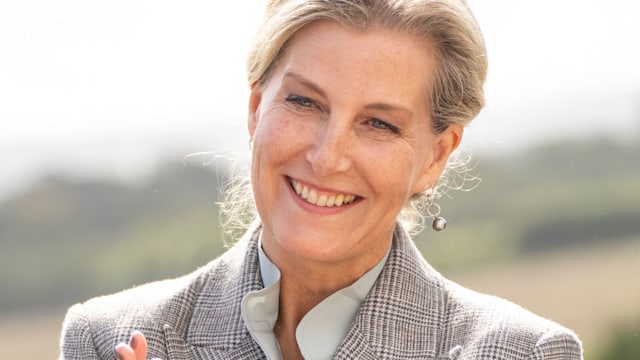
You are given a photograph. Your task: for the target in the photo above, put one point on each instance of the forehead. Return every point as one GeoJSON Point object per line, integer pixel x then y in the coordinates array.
{"type": "Point", "coordinates": [381, 59]}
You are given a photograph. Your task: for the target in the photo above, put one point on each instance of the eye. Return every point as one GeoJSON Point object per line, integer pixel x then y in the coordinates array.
{"type": "Point", "coordinates": [382, 125]}
{"type": "Point", "coordinates": [302, 101]}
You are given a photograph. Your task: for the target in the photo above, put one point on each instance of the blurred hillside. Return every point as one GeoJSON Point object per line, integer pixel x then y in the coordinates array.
{"type": "Point", "coordinates": [65, 240]}
{"type": "Point", "coordinates": [558, 196]}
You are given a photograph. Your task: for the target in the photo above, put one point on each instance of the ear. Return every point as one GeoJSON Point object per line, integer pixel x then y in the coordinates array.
{"type": "Point", "coordinates": [443, 146]}
{"type": "Point", "coordinates": [255, 97]}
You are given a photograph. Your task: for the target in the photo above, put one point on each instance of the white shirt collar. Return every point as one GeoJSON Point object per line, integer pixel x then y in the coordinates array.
{"type": "Point", "coordinates": [322, 329]}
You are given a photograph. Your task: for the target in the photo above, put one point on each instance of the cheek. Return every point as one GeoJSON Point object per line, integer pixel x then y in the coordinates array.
{"type": "Point", "coordinates": [279, 132]}
{"type": "Point", "coordinates": [277, 138]}
{"type": "Point", "coordinates": [396, 170]}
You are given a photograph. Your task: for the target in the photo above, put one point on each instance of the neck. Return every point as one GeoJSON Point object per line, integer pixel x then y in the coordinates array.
{"type": "Point", "coordinates": [303, 287]}
{"type": "Point", "coordinates": [300, 291]}
{"type": "Point", "coordinates": [305, 283]}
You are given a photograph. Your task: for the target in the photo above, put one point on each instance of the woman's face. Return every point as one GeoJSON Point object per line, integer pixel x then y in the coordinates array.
{"type": "Point", "coordinates": [341, 140]}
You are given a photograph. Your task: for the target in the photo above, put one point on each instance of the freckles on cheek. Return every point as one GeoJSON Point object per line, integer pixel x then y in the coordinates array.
{"type": "Point", "coordinates": [398, 174]}
{"type": "Point", "coordinates": [283, 134]}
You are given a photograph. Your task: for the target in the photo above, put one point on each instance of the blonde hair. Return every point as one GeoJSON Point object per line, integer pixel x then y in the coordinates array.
{"type": "Point", "coordinates": [448, 26]}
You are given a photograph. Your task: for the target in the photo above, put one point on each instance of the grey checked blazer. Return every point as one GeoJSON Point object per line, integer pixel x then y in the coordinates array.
{"type": "Point", "coordinates": [412, 312]}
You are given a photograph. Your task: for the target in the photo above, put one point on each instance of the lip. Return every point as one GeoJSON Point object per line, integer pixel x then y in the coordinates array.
{"type": "Point", "coordinates": [315, 208]}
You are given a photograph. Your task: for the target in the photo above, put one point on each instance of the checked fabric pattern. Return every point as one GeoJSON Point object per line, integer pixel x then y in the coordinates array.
{"type": "Point", "coordinates": [412, 312]}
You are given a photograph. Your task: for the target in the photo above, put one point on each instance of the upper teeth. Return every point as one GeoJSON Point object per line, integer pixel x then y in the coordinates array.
{"type": "Point", "coordinates": [311, 196]}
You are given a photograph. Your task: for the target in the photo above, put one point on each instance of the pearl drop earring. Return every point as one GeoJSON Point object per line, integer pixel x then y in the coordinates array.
{"type": "Point", "coordinates": [433, 210]}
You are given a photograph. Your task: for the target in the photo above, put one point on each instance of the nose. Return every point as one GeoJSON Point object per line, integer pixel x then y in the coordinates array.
{"type": "Point", "coordinates": [330, 153]}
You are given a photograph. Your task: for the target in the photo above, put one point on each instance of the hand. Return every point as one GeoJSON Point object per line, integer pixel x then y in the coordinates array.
{"type": "Point", "coordinates": [135, 350]}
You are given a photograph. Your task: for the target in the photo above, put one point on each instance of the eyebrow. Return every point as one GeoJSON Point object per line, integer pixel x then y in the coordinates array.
{"type": "Point", "coordinates": [388, 107]}
{"type": "Point", "coordinates": [305, 82]}
{"type": "Point", "coordinates": [314, 87]}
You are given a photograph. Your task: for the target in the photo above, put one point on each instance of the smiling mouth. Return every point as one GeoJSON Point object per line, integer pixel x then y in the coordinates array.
{"type": "Point", "coordinates": [320, 198]}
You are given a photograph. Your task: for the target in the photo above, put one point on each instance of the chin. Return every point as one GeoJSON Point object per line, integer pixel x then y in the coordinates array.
{"type": "Point", "coordinates": [312, 243]}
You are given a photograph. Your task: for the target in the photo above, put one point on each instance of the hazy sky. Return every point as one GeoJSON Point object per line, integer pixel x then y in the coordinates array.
{"type": "Point", "coordinates": [112, 86]}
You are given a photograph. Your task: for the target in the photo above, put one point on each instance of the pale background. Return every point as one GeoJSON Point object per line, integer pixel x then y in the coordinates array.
{"type": "Point", "coordinates": [111, 87]}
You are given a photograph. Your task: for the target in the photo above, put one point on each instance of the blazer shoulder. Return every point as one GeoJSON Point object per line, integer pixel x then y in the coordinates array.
{"type": "Point", "coordinates": [180, 308]}
{"type": "Point", "coordinates": [489, 327]}
{"type": "Point", "coordinates": [92, 329]}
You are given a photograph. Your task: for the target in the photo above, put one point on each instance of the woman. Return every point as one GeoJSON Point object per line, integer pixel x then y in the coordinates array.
{"type": "Point", "coordinates": [355, 108]}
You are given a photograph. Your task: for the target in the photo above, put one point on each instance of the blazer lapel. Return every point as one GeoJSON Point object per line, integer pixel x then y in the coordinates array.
{"type": "Point", "coordinates": [216, 328]}
{"type": "Point", "coordinates": [402, 315]}
{"type": "Point", "coordinates": [178, 349]}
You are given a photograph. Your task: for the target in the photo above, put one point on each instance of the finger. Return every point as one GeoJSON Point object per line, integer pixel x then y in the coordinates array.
{"type": "Point", "coordinates": [125, 352]}
{"type": "Point", "coordinates": [139, 344]}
